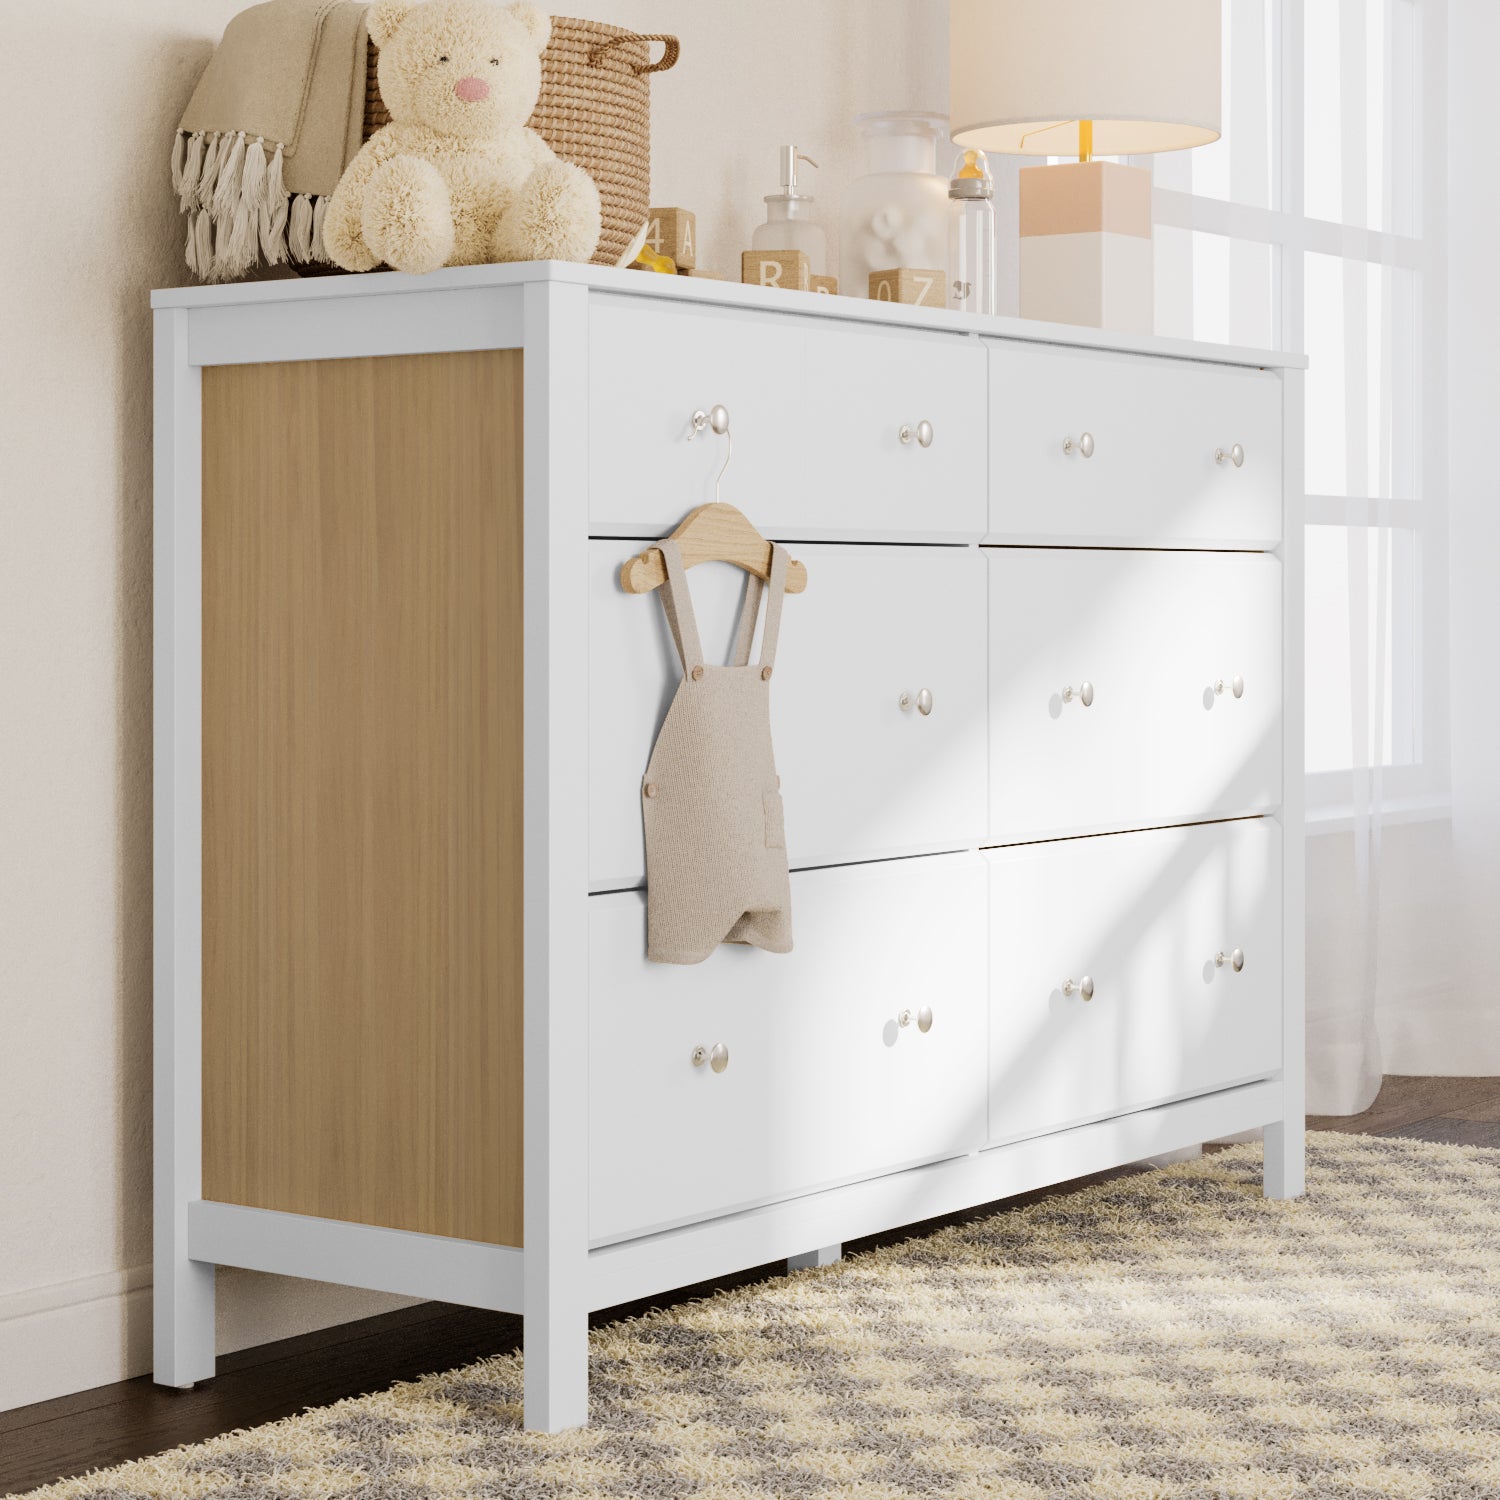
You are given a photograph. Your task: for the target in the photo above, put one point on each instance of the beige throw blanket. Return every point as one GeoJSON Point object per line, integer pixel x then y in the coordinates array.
{"type": "Point", "coordinates": [276, 116]}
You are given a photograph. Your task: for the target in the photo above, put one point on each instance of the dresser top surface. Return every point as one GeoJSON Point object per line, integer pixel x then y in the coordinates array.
{"type": "Point", "coordinates": [688, 290]}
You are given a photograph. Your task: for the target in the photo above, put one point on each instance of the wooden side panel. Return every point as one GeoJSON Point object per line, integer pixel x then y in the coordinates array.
{"type": "Point", "coordinates": [362, 784]}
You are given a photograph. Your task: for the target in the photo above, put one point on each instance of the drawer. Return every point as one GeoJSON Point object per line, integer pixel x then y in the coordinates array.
{"type": "Point", "coordinates": [651, 366]}
{"type": "Point", "coordinates": [823, 1085]}
{"type": "Point", "coordinates": [863, 388]}
{"type": "Point", "coordinates": [861, 777]}
{"type": "Point", "coordinates": [1143, 916]}
{"type": "Point", "coordinates": [1156, 424]}
{"type": "Point", "coordinates": [1152, 633]}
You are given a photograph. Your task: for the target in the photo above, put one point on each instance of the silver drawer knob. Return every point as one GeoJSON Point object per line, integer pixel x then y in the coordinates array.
{"type": "Point", "coordinates": [922, 432]}
{"type": "Point", "coordinates": [904, 1018]}
{"type": "Point", "coordinates": [1084, 987]}
{"type": "Point", "coordinates": [717, 1057]}
{"type": "Point", "coordinates": [924, 1019]}
{"type": "Point", "coordinates": [924, 702]}
{"type": "Point", "coordinates": [716, 417]}
{"type": "Point", "coordinates": [1236, 685]}
{"type": "Point", "coordinates": [1235, 958]}
{"type": "Point", "coordinates": [1084, 694]}
{"type": "Point", "coordinates": [1084, 445]}
{"type": "Point", "coordinates": [1234, 455]}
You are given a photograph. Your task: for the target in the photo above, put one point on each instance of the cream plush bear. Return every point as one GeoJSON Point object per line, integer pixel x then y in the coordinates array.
{"type": "Point", "coordinates": [456, 178]}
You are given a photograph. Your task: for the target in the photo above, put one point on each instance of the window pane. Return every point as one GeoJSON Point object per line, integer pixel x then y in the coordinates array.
{"type": "Point", "coordinates": [1359, 101]}
{"type": "Point", "coordinates": [1237, 166]}
{"type": "Point", "coordinates": [1363, 403]}
{"type": "Point", "coordinates": [1214, 288]}
{"type": "Point", "coordinates": [1361, 647]}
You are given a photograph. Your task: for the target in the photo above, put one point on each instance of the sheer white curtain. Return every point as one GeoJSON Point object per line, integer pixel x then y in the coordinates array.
{"type": "Point", "coordinates": [1319, 223]}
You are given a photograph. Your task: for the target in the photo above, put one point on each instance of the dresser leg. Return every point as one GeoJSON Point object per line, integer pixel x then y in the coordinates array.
{"type": "Point", "coordinates": [557, 1370]}
{"type": "Point", "coordinates": [1286, 1168]}
{"type": "Point", "coordinates": [826, 1255]}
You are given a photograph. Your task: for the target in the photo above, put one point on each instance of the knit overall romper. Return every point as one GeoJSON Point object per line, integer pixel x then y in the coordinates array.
{"type": "Point", "coordinates": [716, 867]}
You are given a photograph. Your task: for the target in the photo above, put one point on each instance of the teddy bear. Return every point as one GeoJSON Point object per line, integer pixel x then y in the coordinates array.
{"type": "Point", "coordinates": [456, 178]}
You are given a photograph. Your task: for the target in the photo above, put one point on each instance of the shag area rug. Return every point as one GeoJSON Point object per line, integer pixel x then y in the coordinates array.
{"type": "Point", "coordinates": [1156, 1337]}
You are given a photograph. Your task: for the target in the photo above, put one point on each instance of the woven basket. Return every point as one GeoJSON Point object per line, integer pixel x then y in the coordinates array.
{"type": "Point", "coordinates": [594, 111]}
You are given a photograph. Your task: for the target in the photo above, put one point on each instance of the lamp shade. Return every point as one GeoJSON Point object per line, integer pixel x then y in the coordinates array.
{"type": "Point", "coordinates": [1025, 72]}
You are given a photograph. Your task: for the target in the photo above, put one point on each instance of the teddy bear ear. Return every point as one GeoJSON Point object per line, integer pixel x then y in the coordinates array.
{"type": "Point", "coordinates": [384, 18]}
{"type": "Point", "coordinates": [536, 23]}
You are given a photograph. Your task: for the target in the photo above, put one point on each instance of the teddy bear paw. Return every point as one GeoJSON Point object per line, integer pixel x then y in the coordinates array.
{"type": "Point", "coordinates": [408, 215]}
{"type": "Point", "coordinates": [556, 215]}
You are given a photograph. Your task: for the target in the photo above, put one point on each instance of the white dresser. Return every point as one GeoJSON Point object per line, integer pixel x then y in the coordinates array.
{"type": "Point", "coordinates": [1038, 719]}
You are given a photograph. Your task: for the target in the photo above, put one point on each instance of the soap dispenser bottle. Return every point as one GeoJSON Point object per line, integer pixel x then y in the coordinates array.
{"type": "Point", "coordinates": [790, 224]}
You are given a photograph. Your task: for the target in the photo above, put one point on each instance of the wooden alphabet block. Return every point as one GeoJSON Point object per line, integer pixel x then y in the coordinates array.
{"type": "Point", "coordinates": [920, 288]}
{"type": "Point", "coordinates": [789, 269]}
{"type": "Point", "coordinates": [674, 232]}
{"type": "Point", "coordinates": [699, 271]}
{"type": "Point", "coordinates": [828, 285]}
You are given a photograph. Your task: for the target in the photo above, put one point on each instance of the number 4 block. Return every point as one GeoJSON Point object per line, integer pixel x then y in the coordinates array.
{"type": "Point", "coordinates": [674, 232]}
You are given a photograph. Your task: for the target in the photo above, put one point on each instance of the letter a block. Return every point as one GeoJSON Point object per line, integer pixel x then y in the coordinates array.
{"type": "Point", "coordinates": [789, 269]}
{"type": "Point", "coordinates": [904, 284]}
{"type": "Point", "coordinates": [674, 232]}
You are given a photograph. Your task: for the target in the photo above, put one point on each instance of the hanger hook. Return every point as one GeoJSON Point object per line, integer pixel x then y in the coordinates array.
{"type": "Point", "coordinates": [728, 454]}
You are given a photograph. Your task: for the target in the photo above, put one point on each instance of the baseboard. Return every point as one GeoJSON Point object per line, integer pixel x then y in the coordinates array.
{"type": "Point", "coordinates": [77, 1335]}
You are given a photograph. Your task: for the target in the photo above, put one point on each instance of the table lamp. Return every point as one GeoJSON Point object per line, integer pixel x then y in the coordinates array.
{"type": "Point", "coordinates": [1085, 78]}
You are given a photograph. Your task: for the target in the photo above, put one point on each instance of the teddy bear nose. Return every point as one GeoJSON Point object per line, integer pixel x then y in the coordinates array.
{"type": "Point", "coordinates": [472, 90]}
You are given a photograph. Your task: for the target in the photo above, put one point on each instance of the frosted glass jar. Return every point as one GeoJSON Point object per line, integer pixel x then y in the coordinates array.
{"type": "Point", "coordinates": [896, 213]}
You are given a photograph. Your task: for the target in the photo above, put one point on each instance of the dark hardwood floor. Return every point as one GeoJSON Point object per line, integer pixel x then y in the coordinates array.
{"type": "Point", "coordinates": [95, 1429]}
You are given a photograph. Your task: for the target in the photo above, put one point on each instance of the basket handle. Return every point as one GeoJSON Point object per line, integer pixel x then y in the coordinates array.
{"type": "Point", "coordinates": [672, 50]}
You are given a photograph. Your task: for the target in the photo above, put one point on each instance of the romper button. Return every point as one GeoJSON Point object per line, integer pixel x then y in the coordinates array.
{"type": "Point", "coordinates": [765, 674]}
{"type": "Point", "coordinates": [650, 788]}
{"type": "Point", "coordinates": [697, 674]}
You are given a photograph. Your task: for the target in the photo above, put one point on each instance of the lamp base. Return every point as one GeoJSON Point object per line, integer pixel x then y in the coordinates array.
{"type": "Point", "coordinates": [1086, 254]}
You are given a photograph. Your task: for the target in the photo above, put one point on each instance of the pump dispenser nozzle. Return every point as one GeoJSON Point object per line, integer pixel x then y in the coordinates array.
{"type": "Point", "coordinates": [790, 156]}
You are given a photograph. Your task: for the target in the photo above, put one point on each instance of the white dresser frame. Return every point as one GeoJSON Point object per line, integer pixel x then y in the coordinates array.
{"type": "Point", "coordinates": [557, 1280]}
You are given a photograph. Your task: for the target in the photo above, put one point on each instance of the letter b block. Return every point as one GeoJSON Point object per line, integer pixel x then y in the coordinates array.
{"type": "Point", "coordinates": [789, 269]}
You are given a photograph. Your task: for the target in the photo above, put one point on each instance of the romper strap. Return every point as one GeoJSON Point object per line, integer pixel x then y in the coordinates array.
{"type": "Point", "coordinates": [678, 604]}
{"type": "Point", "coordinates": [776, 594]}
{"type": "Point", "coordinates": [745, 634]}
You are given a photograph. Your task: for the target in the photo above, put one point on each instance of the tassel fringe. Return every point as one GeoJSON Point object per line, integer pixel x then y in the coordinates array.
{"type": "Point", "coordinates": [320, 212]}
{"type": "Point", "coordinates": [232, 190]}
{"type": "Point", "coordinates": [187, 192]}
{"type": "Point", "coordinates": [299, 233]}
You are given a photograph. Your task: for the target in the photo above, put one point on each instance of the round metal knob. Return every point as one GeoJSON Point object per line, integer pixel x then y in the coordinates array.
{"type": "Point", "coordinates": [1235, 958]}
{"type": "Point", "coordinates": [718, 1058]}
{"type": "Point", "coordinates": [924, 702]}
{"type": "Point", "coordinates": [1084, 987]}
{"type": "Point", "coordinates": [1084, 445]}
{"type": "Point", "coordinates": [1236, 685]}
{"type": "Point", "coordinates": [716, 418]}
{"type": "Point", "coordinates": [1084, 694]}
{"type": "Point", "coordinates": [1234, 455]}
{"type": "Point", "coordinates": [700, 1056]}
{"type": "Point", "coordinates": [924, 1019]}
{"type": "Point", "coordinates": [904, 703]}
{"type": "Point", "coordinates": [904, 1018]}
{"type": "Point", "coordinates": [922, 432]}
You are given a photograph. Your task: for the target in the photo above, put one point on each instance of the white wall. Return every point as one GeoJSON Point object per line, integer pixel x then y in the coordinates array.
{"type": "Point", "coordinates": [93, 89]}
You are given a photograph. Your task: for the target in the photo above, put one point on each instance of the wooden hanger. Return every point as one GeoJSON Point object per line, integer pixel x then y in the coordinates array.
{"type": "Point", "coordinates": [712, 533]}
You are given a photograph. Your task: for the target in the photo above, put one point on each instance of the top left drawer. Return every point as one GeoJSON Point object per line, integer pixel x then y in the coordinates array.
{"type": "Point", "coordinates": [652, 364]}
{"type": "Point", "coordinates": [817, 411]}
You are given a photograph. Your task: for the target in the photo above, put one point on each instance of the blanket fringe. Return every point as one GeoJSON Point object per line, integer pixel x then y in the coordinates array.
{"type": "Point", "coordinates": [232, 190]}
{"type": "Point", "coordinates": [187, 189]}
